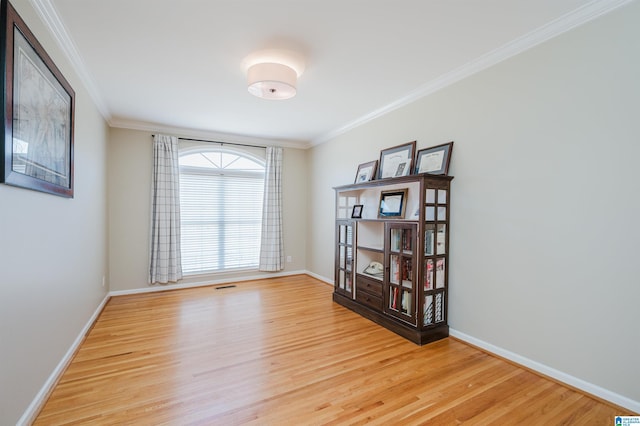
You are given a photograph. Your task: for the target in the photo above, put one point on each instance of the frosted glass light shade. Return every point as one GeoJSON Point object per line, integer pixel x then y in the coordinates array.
{"type": "Point", "coordinates": [272, 81]}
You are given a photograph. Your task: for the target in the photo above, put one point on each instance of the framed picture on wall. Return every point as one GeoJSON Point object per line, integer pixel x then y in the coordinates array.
{"type": "Point", "coordinates": [434, 160]}
{"type": "Point", "coordinates": [366, 171]}
{"type": "Point", "coordinates": [396, 161]}
{"type": "Point", "coordinates": [37, 143]}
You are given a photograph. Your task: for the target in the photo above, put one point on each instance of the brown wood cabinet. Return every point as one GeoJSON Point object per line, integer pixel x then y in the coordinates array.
{"type": "Point", "coordinates": [392, 263]}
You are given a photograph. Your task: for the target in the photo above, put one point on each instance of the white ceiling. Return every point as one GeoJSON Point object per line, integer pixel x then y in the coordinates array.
{"type": "Point", "coordinates": [176, 65]}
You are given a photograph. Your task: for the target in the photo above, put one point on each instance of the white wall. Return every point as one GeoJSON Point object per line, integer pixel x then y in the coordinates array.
{"type": "Point", "coordinates": [52, 254]}
{"type": "Point", "coordinates": [545, 202]}
{"type": "Point", "coordinates": [130, 163]}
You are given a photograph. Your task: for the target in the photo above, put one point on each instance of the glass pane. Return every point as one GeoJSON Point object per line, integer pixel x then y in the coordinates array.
{"type": "Point", "coordinates": [349, 258]}
{"type": "Point", "coordinates": [406, 303]}
{"type": "Point", "coordinates": [407, 272]}
{"type": "Point", "coordinates": [342, 235]}
{"type": "Point", "coordinates": [343, 260]}
{"type": "Point", "coordinates": [442, 213]}
{"type": "Point", "coordinates": [394, 273]}
{"type": "Point", "coordinates": [349, 235]}
{"type": "Point", "coordinates": [428, 310]}
{"type": "Point", "coordinates": [394, 296]}
{"type": "Point", "coordinates": [442, 239]}
{"type": "Point", "coordinates": [407, 241]}
{"type": "Point", "coordinates": [431, 196]}
{"type": "Point", "coordinates": [440, 270]}
{"type": "Point", "coordinates": [428, 274]}
{"type": "Point", "coordinates": [348, 282]}
{"type": "Point", "coordinates": [341, 279]}
{"type": "Point", "coordinates": [430, 213]}
{"type": "Point", "coordinates": [439, 307]}
{"type": "Point", "coordinates": [396, 239]}
{"type": "Point", "coordinates": [442, 196]}
{"type": "Point", "coordinates": [429, 239]}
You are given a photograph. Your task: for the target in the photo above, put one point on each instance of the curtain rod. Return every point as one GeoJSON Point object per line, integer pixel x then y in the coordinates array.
{"type": "Point", "coordinates": [222, 143]}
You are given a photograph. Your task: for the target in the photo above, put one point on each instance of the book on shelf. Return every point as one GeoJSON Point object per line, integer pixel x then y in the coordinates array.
{"type": "Point", "coordinates": [406, 303]}
{"type": "Point", "coordinates": [394, 301]}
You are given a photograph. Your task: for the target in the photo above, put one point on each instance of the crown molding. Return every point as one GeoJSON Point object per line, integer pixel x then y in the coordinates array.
{"type": "Point", "coordinates": [567, 22]}
{"type": "Point", "coordinates": [51, 19]}
{"type": "Point", "coordinates": [206, 135]}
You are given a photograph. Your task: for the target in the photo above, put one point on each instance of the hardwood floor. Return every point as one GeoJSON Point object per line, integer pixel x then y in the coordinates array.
{"type": "Point", "coordinates": [279, 351]}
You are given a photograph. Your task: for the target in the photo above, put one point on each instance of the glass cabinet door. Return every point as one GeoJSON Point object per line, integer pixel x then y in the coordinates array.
{"type": "Point", "coordinates": [344, 257]}
{"type": "Point", "coordinates": [435, 257]}
{"type": "Point", "coordinates": [400, 262]}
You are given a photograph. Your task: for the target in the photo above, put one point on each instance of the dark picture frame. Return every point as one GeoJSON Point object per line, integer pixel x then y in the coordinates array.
{"type": "Point", "coordinates": [37, 142]}
{"type": "Point", "coordinates": [434, 160]}
{"type": "Point", "coordinates": [366, 171]}
{"type": "Point", "coordinates": [393, 203]}
{"type": "Point", "coordinates": [356, 213]}
{"type": "Point", "coordinates": [396, 161]}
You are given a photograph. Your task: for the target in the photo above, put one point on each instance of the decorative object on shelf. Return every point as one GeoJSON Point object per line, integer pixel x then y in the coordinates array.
{"type": "Point", "coordinates": [434, 160]}
{"type": "Point", "coordinates": [396, 161]}
{"type": "Point", "coordinates": [366, 171]}
{"type": "Point", "coordinates": [392, 203]}
{"type": "Point", "coordinates": [356, 213]}
{"type": "Point", "coordinates": [375, 269]}
{"type": "Point", "coordinates": [273, 73]}
{"type": "Point", "coordinates": [37, 142]}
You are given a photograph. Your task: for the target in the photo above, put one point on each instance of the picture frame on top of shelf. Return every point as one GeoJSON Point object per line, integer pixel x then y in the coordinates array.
{"type": "Point", "coordinates": [434, 160]}
{"type": "Point", "coordinates": [38, 112]}
{"type": "Point", "coordinates": [396, 161]}
{"type": "Point", "coordinates": [356, 213]}
{"type": "Point", "coordinates": [393, 203]}
{"type": "Point", "coordinates": [366, 171]}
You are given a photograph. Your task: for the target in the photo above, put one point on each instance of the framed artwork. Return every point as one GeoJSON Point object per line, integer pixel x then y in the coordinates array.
{"type": "Point", "coordinates": [393, 203]}
{"type": "Point", "coordinates": [37, 142]}
{"type": "Point", "coordinates": [356, 213]}
{"type": "Point", "coordinates": [396, 161]}
{"type": "Point", "coordinates": [434, 160]}
{"type": "Point", "coordinates": [366, 171]}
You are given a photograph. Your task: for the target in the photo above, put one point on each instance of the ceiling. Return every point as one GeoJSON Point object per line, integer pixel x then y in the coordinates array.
{"type": "Point", "coordinates": [177, 65]}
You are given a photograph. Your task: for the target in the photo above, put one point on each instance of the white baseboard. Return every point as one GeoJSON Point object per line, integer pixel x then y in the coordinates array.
{"type": "Point", "coordinates": [320, 277]}
{"type": "Point", "coordinates": [32, 411]}
{"type": "Point", "coordinates": [575, 382]}
{"type": "Point", "coordinates": [208, 282]}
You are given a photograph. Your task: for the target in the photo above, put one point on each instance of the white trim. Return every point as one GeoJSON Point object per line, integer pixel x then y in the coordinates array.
{"type": "Point", "coordinates": [569, 21]}
{"type": "Point", "coordinates": [575, 382]}
{"type": "Point", "coordinates": [208, 135]}
{"type": "Point", "coordinates": [160, 287]}
{"type": "Point", "coordinates": [51, 19]}
{"type": "Point", "coordinates": [32, 410]}
{"type": "Point", "coordinates": [320, 277]}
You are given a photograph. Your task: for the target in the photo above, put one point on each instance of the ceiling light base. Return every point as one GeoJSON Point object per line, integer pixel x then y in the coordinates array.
{"type": "Point", "coordinates": [272, 81]}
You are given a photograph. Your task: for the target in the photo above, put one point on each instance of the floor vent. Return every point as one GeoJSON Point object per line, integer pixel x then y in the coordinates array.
{"type": "Point", "coordinates": [225, 286]}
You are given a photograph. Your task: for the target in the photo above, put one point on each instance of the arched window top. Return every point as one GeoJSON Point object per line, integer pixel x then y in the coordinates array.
{"type": "Point", "coordinates": [220, 160]}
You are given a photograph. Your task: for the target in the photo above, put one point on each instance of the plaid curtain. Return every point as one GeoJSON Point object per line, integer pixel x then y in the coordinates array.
{"type": "Point", "coordinates": [165, 259]}
{"type": "Point", "coordinates": [271, 244]}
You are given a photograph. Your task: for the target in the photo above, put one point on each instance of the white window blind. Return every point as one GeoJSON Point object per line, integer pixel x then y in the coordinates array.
{"type": "Point", "coordinates": [221, 209]}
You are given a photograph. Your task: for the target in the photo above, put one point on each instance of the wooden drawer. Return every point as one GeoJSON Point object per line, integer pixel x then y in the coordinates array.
{"type": "Point", "coordinates": [369, 285]}
{"type": "Point", "coordinates": [369, 300]}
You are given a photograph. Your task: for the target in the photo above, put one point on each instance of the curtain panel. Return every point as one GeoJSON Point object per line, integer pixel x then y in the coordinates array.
{"type": "Point", "coordinates": [271, 244]}
{"type": "Point", "coordinates": [165, 258]}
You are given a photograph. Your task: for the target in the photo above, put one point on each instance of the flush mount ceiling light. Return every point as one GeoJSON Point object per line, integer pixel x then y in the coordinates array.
{"type": "Point", "coordinates": [273, 73]}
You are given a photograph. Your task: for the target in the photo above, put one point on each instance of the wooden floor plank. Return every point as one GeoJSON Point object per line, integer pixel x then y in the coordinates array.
{"type": "Point", "coordinates": [279, 351]}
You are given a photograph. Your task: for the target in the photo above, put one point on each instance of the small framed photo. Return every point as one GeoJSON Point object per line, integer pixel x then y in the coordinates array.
{"type": "Point", "coordinates": [396, 161]}
{"type": "Point", "coordinates": [434, 160]}
{"type": "Point", "coordinates": [356, 213]}
{"type": "Point", "coordinates": [393, 203]}
{"type": "Point", "coordinates": [366, 171]}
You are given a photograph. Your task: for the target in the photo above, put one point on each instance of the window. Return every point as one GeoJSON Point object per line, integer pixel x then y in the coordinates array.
{"type": "Point", "coordinates": [221, 194]}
